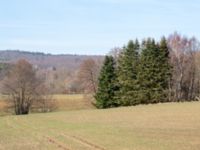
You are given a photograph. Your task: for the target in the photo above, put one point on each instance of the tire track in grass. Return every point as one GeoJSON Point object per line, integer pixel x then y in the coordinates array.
{"type": "Point", "coordinates": [83, 141]}
{"type": "Point", "coordinates": [58, 144]}
{"type": "Point", "coordinates": [12, 125]}
{"type": "Point", "coordinates": [46, 137]}
{"type": "Point", "coordinates": [74, 138]}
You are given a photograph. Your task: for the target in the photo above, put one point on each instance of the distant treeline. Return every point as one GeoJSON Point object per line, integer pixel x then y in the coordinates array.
{"type": "Point", "coordinates": [150, 72]}
{"type": "Point", "coordinates": [61, 71]}
{"type": "Point", "coordinates": [142, 72]}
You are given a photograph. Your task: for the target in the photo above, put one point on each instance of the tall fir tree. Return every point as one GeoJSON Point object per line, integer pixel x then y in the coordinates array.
{"type": "Point", "coordinates": [127, 74]}
{"type": "Point", "coordinates": [107, 87]}
{"type": "Point", "coordinates": [153, 71]}
{"type": "Point", "coordinates": [165, 68]}
{"type": "Point", "coordinates": [147, 72]}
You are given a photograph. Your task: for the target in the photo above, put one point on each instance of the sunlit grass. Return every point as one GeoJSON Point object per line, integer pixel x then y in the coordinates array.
{"type": "Point", "coordinates": [172, 126]}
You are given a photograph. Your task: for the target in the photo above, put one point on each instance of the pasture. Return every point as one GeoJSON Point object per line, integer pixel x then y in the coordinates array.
{"type": "Point", "coordinates": [63, 102]}
{"type": "Point", "coordinates": [172, 126]}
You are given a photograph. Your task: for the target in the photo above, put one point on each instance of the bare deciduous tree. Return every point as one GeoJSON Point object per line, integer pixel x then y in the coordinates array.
{"type": "Point", "coordinates": [115, 52]}
{"type": "Point", "coordinates": [45, 101]}
{"type": "Point", "coordinates": [88, 75]}
{"type": "Point", "coordinates": [182, 54]}
{"type": "Point", "coordinates": [21, 85]}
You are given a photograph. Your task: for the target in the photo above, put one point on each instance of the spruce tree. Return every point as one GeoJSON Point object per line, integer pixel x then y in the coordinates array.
{"type": "Point", "coordinates": [127, 74]}
{"type": "Point", "coordinates": [107, 87]}
{"type": "Point", "coordinates": [145, 72]}
{"type": "Point", "coordinates": [153, 71]}
{"type": "Point", "coordinates": [165, 68]}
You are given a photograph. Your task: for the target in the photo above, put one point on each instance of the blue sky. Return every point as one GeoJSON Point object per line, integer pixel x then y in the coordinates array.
{"type": "Point", "coordinates": [92, 26]}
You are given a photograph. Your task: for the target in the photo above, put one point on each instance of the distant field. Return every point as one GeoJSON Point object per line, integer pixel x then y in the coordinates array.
{"type": "Point", "coordinates": [173, 126]}
{"type": "Point", "coordinates": [2, 105]}
{"type": "Point", "coordinates": [73, 102]}
{"type": "Point", "coordinates": [64, 102]}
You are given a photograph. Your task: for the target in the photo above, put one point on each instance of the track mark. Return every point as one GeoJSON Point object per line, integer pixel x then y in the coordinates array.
{"type": "Point", "coordinates": [71, 137]}
{"type": "Point", "coordinates": [59, 145]}
{"type": "Point", "coordinates": [85, 142]}
{"type": "Point", "coordinates": [48, 138]}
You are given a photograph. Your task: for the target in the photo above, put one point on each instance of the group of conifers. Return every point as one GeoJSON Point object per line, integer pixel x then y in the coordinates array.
{"type": "Point", "coordinates": [139, 75]}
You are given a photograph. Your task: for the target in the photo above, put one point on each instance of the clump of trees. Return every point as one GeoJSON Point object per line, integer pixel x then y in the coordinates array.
{"type": "Point", "coordinates": [139, 73]}
{"type": "Point", "coordinates": [24, 88]}
{"type": "Point", "coordinates": [150, 72]}
{"type": "Point", "coordinates": [184, 56]}
{"type": "Point", "coordinates": [127, 70]}
{"type": "Point", "coordinates": [153, 72]}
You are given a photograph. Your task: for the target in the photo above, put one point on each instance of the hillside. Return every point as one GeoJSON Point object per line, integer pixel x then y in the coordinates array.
{"type": "Point", "coordinates": [71, 62]}
{"type": "Point", "coordinates": [60, 71]}
{"type": "Point", "coordinates": [149, 127]}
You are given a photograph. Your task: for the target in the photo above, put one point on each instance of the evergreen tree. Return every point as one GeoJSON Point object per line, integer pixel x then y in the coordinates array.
{"type": "Point", "coordinates": [127, 74]}
{"type": "Point", "coordinates": [147, 72]}
{"type": "Point", "coordinates": [165, 68]}
{"type": "Point", "coordinates": [153, 71]}
{"type": "Point", "coordinates": [105, 96]}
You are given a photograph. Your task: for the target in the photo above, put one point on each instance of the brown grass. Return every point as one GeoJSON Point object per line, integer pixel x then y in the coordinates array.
{"type": "Point", "coordinates": [63, 102]}
{"type": "Point", "coordinates": [172, 126]}
{"type": "Point", "coordinates": [2, 104]}
{"type": "Point", "coordinates": [73, 102]}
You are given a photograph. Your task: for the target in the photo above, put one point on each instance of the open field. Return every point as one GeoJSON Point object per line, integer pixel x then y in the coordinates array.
{"type": "Point", "coordinates": [3, 105]}
{"type": "Point", "coordinates": [73, 102]}
{"type": "Point", "coordinates": [173, 126]}
{"type": "Point", "coordinates": [64, 102]}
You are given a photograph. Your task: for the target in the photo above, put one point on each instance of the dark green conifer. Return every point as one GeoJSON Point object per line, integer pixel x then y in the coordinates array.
{"type": "Point", "coordinates": [165, 68]}
{"type": "Point", "coordinates": [127, 74]}
{"type": "Point", "coordinates": [107, 87]}
{"type": "Point", "coordinates": [153, 71]}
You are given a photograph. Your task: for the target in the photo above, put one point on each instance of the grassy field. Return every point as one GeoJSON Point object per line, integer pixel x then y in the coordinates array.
{"type": "Point", "coordinates": [72, 102]}
{"type": "Point", "coordinates": [174, 126]}
{"type": "Point", "coordinates": [64, 103]}
{"type": "Point", "coordinates": [3, 105]}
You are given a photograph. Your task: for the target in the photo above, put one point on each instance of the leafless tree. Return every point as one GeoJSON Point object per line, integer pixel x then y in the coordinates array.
{"type": "Point", "coordinates": [88, 75]}
{"type": "Point", "coordinates": [197, 75]}
{"type": "Point", "coordinates": [115, 52]}
{"type": "Point", "coordinates": [21, 84]}
{"type": "Point", "coordinates": [45, 102]}
{"type": "Point", "coordinates": [182, 55]}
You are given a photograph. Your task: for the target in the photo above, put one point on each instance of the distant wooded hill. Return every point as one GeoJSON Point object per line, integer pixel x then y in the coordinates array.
{"type": "Point", "coordinates": [42, 60]}
{"type": "Point", "coordinates": [61, 71]}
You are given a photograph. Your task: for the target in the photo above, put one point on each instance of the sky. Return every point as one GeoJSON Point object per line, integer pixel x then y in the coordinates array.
{"type": "Point", "coordinates": [92, 27]}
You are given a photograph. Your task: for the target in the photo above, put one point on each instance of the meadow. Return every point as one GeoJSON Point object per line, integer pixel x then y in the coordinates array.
{"type": "Point", "coordinates": [170, 126]}
{"type": "Point", "coordinates": [64, 102]}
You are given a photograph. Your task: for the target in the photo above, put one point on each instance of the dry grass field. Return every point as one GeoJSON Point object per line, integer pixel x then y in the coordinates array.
{"type": "Point", "coordinates": [173, 126]}
{"type": "Point", "coordinates": [3, 105]}
{"type": "Point", "coordinates": [64, 103]}
{"type": "Point", "coordinates": [72, 102]}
